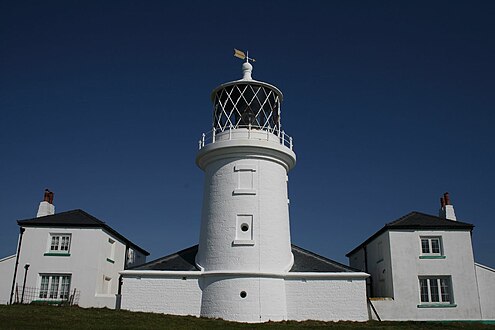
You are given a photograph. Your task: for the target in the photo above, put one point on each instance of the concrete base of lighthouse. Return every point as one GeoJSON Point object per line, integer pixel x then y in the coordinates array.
{"type": "Point", "coordinates": [315, 288]}
{"type": "Point", "coordinates": [243, 298]}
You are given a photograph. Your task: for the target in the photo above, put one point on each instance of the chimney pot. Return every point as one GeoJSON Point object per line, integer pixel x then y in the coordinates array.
{"type": "Point", "coordinates": [46, 207]}
{"type": "Point", "coordinates": [447, 198]}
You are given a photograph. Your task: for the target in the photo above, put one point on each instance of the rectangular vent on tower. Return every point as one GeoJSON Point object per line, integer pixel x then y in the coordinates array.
{"type": "Point", "coordinates": [244, 230]}
{"type": "Point", "coordinates": [245, 179]}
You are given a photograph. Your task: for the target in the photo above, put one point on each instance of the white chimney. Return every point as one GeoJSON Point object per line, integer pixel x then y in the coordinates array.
{"type": "Point", "coordinates": [46, 206]}
{"type": "Point", "coordinates": [446, 209]}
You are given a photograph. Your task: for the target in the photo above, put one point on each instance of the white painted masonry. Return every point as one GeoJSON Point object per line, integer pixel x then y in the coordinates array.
{"type": "Point", "coordinates": [171, 292]}
{"type": "Point", "coordinates": [44, 209]}
{"type": "Point", "coordinates": [315, 296]}
{"type": "Point", "coordinates": [395, 258]}
{"type": "Point", "coordinates": [87, 262]}
{"type": "Point", "coordinates": [6, 272]}
{"type": "Point", "coordinates": [92, 257]}
{"type": "Point", "coordinates": [486, 289]}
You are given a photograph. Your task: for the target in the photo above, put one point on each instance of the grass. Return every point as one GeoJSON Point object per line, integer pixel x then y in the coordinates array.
{"type": "Point", "coordinates": [52, 317]}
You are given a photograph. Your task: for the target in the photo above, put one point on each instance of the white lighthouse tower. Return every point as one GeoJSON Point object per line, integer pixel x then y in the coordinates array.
{"type": "Point", "coordinates": [245, 236]}
{"type": "Point", "coordinates": [245, 268]}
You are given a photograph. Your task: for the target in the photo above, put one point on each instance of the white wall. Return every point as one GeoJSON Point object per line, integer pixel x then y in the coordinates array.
{"type": "Point", "coordinates": [245, 178]}
{"type": "Point", "coordinates": [298, 296]}
{"type": "Point", "coordinates": [376, 261]}
{"type": "Point", "coordinates": [407, 266]}
{"type": "Point", "coordinates": [264, 300]}
{"type": "Point", "coordinates": [88, 264]}
{"type": "Point", "coordinates": [326, 300]}
{"type": "Point", "coordinates": [486, 288]}
{"type": "Point", "coordinates": [177, 295]}
{"type": "Point", "coordinates": [7, 265]}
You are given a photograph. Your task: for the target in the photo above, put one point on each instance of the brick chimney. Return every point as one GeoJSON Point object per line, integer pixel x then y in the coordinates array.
{"type": "Point", "coordinates": [446, 209]}
{"type": "Point", "coordinates": [46, 206]}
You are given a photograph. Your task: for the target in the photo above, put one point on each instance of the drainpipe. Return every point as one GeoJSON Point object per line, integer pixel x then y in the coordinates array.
{"type": "Point", "coordinates": [21, 231]}
{"type": "Point", "coordinates": [118, 300]}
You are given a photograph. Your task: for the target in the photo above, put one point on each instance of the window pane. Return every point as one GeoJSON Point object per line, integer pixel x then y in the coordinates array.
{"type": "Point", "coordinates": [425, 246]}
{"type": "Point", "coordinates": [435, 245]}
{"type": "Point", "coordinates": [434, 290]}
{"type": "Point", "coordinates": [444, 288]}
{"type": "Point", "coordinates": [44, 287]}
{"type": "Point", "coordinates": [423, 284]}
{"type": "Point", "coordinates": [54, 244]}
{"type": "Point", "coordinates": [64, 246]}
{"type": "Point", "coordinates": [54, 287]}
{"type": "Point", "coordinates": [64, 288]}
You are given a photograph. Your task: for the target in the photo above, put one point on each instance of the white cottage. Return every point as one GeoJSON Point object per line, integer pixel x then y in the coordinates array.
{"type": "Point", "coordinates": [422, 268]}
{"type": "Point", "coordinates": [244, 267]}
{"type": "Point", "coordinates": [67, 256]}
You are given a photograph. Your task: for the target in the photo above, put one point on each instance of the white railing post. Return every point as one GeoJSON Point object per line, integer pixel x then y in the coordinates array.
{"type": "Point", "coordinates": [203, 140]}
{"type": "Point", "coordinates": [199, 144]}
{"type": "Point", "coordinates": [213, 136]}
{"type": "Point", "coordinates": [290, 142]}
{"type": "Point", "coordinates": [267, 135]}
{"type": "Point", "coordinates": [283, 138]}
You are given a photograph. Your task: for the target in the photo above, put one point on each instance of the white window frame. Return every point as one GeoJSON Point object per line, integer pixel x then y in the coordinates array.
{"type": "Point", "coordinates": [430, 243]}
{"type": "Point", "coordinates": [435, 290]}
{"type": "Point", "coordinates": [54, 286]}
{"type": "Point", "coordinates": [59, 243]}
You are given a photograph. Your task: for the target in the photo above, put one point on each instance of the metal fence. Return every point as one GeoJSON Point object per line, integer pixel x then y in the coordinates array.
{"type": "Point", "coordinates": [29, 295]}
{"type": "Point", "coordinates": [210, 136]}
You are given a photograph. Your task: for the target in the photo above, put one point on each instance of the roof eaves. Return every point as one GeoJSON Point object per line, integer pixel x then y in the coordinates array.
{"type": "Point", "coordinates": [324, 259]}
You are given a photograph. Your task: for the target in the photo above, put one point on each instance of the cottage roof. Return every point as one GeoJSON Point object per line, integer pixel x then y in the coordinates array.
{"type": "Point", "coordinates": [417, 221]}
{"type": "Point", "coordinates": [304, 261]}
{"type": "Point", "coordinates": [76, 219]}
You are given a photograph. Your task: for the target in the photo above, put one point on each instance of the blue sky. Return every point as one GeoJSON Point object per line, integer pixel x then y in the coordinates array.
{"type": "Point", "coordinates": [390, 104]}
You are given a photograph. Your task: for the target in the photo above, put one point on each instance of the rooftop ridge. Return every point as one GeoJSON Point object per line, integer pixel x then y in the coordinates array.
{"type": "Point", "coordinates": [322, 258]}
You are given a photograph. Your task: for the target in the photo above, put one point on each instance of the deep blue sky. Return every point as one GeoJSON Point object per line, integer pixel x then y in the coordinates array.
{"type": "Point", "coordinates": [390, 104]}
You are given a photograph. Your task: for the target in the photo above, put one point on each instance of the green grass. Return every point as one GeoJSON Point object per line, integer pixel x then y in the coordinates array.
{"type": "Point", "coordinates": [52, 317]}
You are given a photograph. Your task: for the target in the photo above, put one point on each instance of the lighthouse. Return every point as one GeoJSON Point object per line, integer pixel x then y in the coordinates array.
{"type": "Point", "coordinates": [245, 233]}
{"type": "Point", "coordinates": [245, 268]}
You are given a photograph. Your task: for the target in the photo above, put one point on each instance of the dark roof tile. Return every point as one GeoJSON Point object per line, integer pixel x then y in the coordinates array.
{"type": "Point", "coordinates": [304, 261]}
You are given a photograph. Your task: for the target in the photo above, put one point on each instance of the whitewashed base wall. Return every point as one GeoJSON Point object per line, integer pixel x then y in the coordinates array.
{"type": "Point", "coordinates": [267, 298]}
{"type": "Point", "coordinates": [326, 300]}
{"type": "Point", "coordinates": [174, 295]}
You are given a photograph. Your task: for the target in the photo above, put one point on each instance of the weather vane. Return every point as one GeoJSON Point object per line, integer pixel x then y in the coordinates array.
{"type": "Point", "coordinates": [245, 56]}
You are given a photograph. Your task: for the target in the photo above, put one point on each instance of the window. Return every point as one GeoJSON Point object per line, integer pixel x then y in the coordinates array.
{"type": "Point", "coordinates": [244, 230]}
{"type": "Point", "coordinates": [111, 251]}
{"type": "Point", "coordinates": [60, 243]}
{"type": "Point", "coordinates": [435, 290]}
{"type": "Point", "coordinates": [106, 285]}
{"type": "Point", "coordinates": [431, 247]}
{"type": "Point", "coordinates": [245, 179]}
{"type": "Point", "coordinates": [55, 287]}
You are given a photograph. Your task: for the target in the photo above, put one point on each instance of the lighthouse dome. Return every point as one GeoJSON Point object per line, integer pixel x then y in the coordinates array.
{"type": "Point", "coordinates": [246, 103]}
